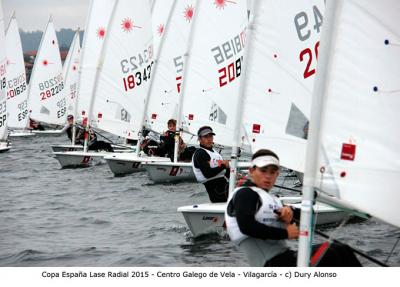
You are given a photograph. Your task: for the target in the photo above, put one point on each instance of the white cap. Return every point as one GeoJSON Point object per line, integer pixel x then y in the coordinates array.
{"type": "Point", "coordinates": [265, 160]}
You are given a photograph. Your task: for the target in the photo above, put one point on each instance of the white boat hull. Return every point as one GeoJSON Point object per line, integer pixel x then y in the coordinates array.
{"type": "Point", "coordinates": [69, 147]}
{"type": "Point", "coordinates": [4, 147]}
{"type": "Point", "coordinates": [128, 163]}
{"type": "Point", "coordinates": [22, 133]}
{"type": "Point", "coordinates": [79, 158]}
{"type": "Point", "coordinates": [210, 217]}
{"type": "Point", "coordinates": [160, 172]}
{"type": "Point", "coordinates": [205, 219]}
{"type": "Point", "coordinates": [63, 148]}
{"type": "Point", "coordinates": [48, 132]}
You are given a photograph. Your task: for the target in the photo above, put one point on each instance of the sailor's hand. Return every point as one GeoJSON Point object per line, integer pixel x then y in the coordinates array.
{"type": "Point", "coordinates": [286, 214]}
{"type": "Point", "coordinates": [224, 163]}
{"type": "Point", "coordinates": [292, 231]}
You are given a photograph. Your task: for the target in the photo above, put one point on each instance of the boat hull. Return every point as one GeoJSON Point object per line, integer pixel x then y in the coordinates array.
{"type": "Point", "coordinates": [63, 148]}
{"type": "Point", "coordinates": [170, 172]}
{"type": "Point", "coordinates": [21, 134]}
{"type": "Point", "coordinates": [128, 163]}
{"type": "Point", "coordinates": [210, 217]}
{"type": "Point", "coordinates": [4, 147]}
{"type": "Point", "coordinates": [75, 159]}
{"type": "Point", "coordinates": [69, 147]}
{"type": "Point", "coordinates": [48, 133]}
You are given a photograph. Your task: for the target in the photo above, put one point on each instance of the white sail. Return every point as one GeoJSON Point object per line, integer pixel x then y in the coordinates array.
{"type": "Point", "coordinates": [167, 80]}
{"type": "Point", "coordinates": [159, 15]}
{"type": "Point", "coordinates": [17, 88]}
{"type": "Point", "coordinates": [71, 73]}
{"type": "Point", "coordinates": [3, 79]}
{"type": "Point", "coordinates": [280, 77]}
{"type": "Point", "coordinates": [46, 87]}
{"type": "Point", "coordinates": [359, 155]}
{"type": "Point", "coordinates": [96, 29]}
{"type": "Point", "coordinates": [126, 69]}
{"type": "Point", "coordinates": [211, 84]}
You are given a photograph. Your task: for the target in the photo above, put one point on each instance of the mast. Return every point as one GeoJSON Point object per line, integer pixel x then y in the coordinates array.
{"type": "Point", "coordinates": [146, 105]}
{"type": "Point", "coordinates": [182, 94]}
{"type": "Point", "coordinates": [318, 102]}
{"type": "Point", "coordinates": [242, 96]}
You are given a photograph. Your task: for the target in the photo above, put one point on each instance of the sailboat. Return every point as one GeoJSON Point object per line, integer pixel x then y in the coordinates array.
{"type": "Point", "coordinates": [47, 102]}
{"type": "Point", "coordinates": [119, 89]}
{"type": "Point", "coordinates": [4, 144]}
{"type": "Point", "coordinates": [274, 86]}
{"type": "Point", "coordinates": [17, 88]}
{"type": "Point", "coordinates": [210, 79]}
{"type": "Point", "coordinates": [97, 23]}
{"type": "Point", "coordinates": [225, 55]}
{"type": "Point", "coordinates": [71, 80]}
{"type": "Point", "coordinates": [166, 90]}
{"type": "Point", "coordinates": [353, 148]}
{"type": "Point", "coordinates": [170, 36]}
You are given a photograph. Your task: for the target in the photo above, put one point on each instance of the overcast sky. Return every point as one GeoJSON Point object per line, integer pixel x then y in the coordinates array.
{"type": "Point", "coordinates": [33, 15]}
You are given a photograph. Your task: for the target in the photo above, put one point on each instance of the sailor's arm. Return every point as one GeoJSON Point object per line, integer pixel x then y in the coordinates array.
{"type": "Point", "coordinates": [201, 160]}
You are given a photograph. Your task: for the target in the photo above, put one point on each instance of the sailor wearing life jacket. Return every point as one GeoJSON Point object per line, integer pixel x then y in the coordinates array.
{"type": "Point", "coordinates": [209, 166]}
{"type": "Point", "coordinates": [260, 225]}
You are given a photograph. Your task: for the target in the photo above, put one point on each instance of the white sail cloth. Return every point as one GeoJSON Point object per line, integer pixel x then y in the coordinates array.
{"type": "Point", "coordinates": [3, 80]}
{"type": "Point", "coordinates": [359, 155]}
{"type": "Point", "coordinates": [17, 88]}
{"type": "Point", "coordinates": [71, 74]}
{"type": "Point", "coordinates": [93, 40]}
{"type": "Point", "coordinates": [279, 77]}
{"type": "Point", "coordinates": [46, 87]}
{"type": "Point", "coordinates": [212, 79]}
{"type": "Point", "coordinates": [126, 69]}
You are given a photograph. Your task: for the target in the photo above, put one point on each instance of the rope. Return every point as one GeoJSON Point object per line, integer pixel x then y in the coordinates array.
{"type": "Point", "coordinates": [109, 140]}
{"type": "Point", "coordinates": [362, 254]}
{"type": "Point", "coordinates": [287, 188]}
{"type": "Point", "coordinates": [354, 250]}
{"type": "Point", "coordinates": [391, 252]}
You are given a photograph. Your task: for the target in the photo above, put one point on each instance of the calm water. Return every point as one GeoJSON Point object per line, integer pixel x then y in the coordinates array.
{"type": "Point", "coordinates": [88, 217]}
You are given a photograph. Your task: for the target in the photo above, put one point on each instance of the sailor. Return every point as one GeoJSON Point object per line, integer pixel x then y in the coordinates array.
{"type": "Point", "coordinates": [167, 146]}
{"type": "Point", "coordinates": [34, 125]}
{"type": "Point", "coordinates": [93, 143]}
{"type": "Point", "coordinates": [260, 225]}
{"type": "Point", "coordinates": [68, 129]}
{"type": "Point", "coordinates": [168, 140]}
{"type": "Point", "coordinates": [151, 143]}
{"type": "Point", "coordinates": [209, 166]}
